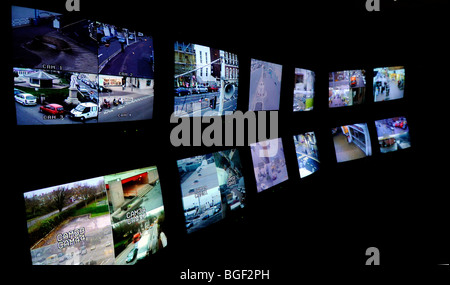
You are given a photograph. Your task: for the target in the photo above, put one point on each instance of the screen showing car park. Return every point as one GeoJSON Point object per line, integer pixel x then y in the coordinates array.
{"type": "Point", "coordinates": [212, 185]}
{"type": "Point", "coordinates": [113, 219]}
{"type": "Point", "coordinates": [73, 71]}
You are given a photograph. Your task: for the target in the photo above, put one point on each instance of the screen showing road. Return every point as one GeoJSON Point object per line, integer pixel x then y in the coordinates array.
{"type": "Point", "coordinates": [206, 80]}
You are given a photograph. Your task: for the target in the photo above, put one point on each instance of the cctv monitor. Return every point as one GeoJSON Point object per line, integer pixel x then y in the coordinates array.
{"type": "Point", "coordinates": [346, 88]}
{"type": "Point", "coordinates": [50, 97]}
{"type": "Point", "coordinates": [393, 134]}
{"type": "Point", "coordinates": [307, 154]}
{"type": "Point", "coordinates": [69, 224]}
{"type": "Point", "coordinates": [212, 187]}
{"type": "Point", "coordinates": [124, 98]}
{"type": "Point", "coordinates": [265, 85]}
{"type": "Point", "coordinates": [388, 83]}
{"type": "Point", "coordinates": [206, 80]}
{"type": "Point", "coordinates": [124, 52]}
{"type": "Point", "coordinates": [351, 142]}
{"type": "Point", "coordinates": [49, 40]}
{"type": "Point", "coordinates": [136, 214]}
{"type": "Point", "coordinates": [304, 90]}
{"type": "Point", "coordinates": [269, 163]}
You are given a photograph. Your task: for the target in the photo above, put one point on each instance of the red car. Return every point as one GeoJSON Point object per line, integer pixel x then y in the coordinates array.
{"type": "Point", "coordinates": [213, 89]}
{"type": "Point", "coordinates": [52, 109]}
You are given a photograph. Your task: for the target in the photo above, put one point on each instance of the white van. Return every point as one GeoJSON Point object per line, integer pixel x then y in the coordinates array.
{"type": "Point", "coordinates": [84, 111]}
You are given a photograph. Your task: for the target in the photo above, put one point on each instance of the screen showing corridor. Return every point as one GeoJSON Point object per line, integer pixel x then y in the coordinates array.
{"type": "Point", "coordinates": [351, 142]}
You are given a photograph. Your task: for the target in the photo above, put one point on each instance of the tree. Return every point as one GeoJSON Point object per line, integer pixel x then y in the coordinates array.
{"type": "Point", "coordinates": [60, 197]}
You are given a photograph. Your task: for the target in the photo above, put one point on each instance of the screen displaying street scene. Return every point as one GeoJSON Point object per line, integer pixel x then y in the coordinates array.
{"type": "Point", "coordinates": [351, 142]}
{"type": "Point", "coordinates": [49, 97]}
{"type": "Point", "coordinates": [269, 163]}
{"type": "Point", "coordinates": [124, 52]}
{"type": "Point", "coordinates": [304, 90]}
{"type": "Point", "coordinates": [136, 214]}
{"type": "Point", "coordinates": [265, 85]}
{"type": "Point", "coordinates": [393, 134]}
{"type": "Point", "coordinates": [307, 155]}
{"type": "Point", "coordinates": [206, 80]}
{"type": "Point", "coordinates": [123, 98]}
{"type": "Point", "coordinates": [70, 224]}
{"type": "Point", "coordinates": [212, 186]}
{"type": "Point", "coordinates": [346, 88]}
{"type": "Point", "coordinates": [48, 40]}
{"type": "Point", "coordinates": [388, 83]}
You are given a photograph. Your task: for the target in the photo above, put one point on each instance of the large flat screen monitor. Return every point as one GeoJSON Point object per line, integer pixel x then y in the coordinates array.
{"type": "Point", "coordinates": [112, 219]}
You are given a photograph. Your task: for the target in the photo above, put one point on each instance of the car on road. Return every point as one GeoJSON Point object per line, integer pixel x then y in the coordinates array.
{"type": "Point", "coordinates": [182, 91]}
{"type": "Point", "coordinates": [23, 98]}
{"type": "Point", "coordinates": [52, 109]}
{"type": "Point", "coordinates": [213, 89]}
{"type": "Point", "coordinates": [132, 255]}
{"type": "Point", "coordinates": [200, 89]}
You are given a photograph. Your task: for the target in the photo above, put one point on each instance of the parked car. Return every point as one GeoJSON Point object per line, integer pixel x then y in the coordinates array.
{"type": "Point", "coordinates": [24, 98]}
{"type": "Point", "coordinates": [200, 89]}
{"type": "Point", "coordinates": [182, 91]}
{"type": "Point", "coordinates": [52, 109]}
{"type": "Point", "coordinates": [213, 89]}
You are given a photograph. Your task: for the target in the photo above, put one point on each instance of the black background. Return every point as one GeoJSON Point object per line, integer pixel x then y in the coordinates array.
{"type": "Point", "coordinates": [392, 201]}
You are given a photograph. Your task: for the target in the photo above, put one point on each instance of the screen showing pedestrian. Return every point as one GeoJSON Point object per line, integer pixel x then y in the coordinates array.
{"type": "Point", "coordinates": [388, 83]}
{"type": "Point", "coordinates": [346, 88]}
{"type": "Point", "coordinates": [212, 187]}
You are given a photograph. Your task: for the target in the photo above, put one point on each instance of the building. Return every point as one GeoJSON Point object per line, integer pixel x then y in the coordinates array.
{"type": "Point", "coordinates": [203, 59]}
{"type": "Point", "coordinates": [185, 61]}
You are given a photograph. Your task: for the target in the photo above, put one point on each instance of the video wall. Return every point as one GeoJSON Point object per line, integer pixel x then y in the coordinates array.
{"type": "Point", "coordinates": [77, 71]}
